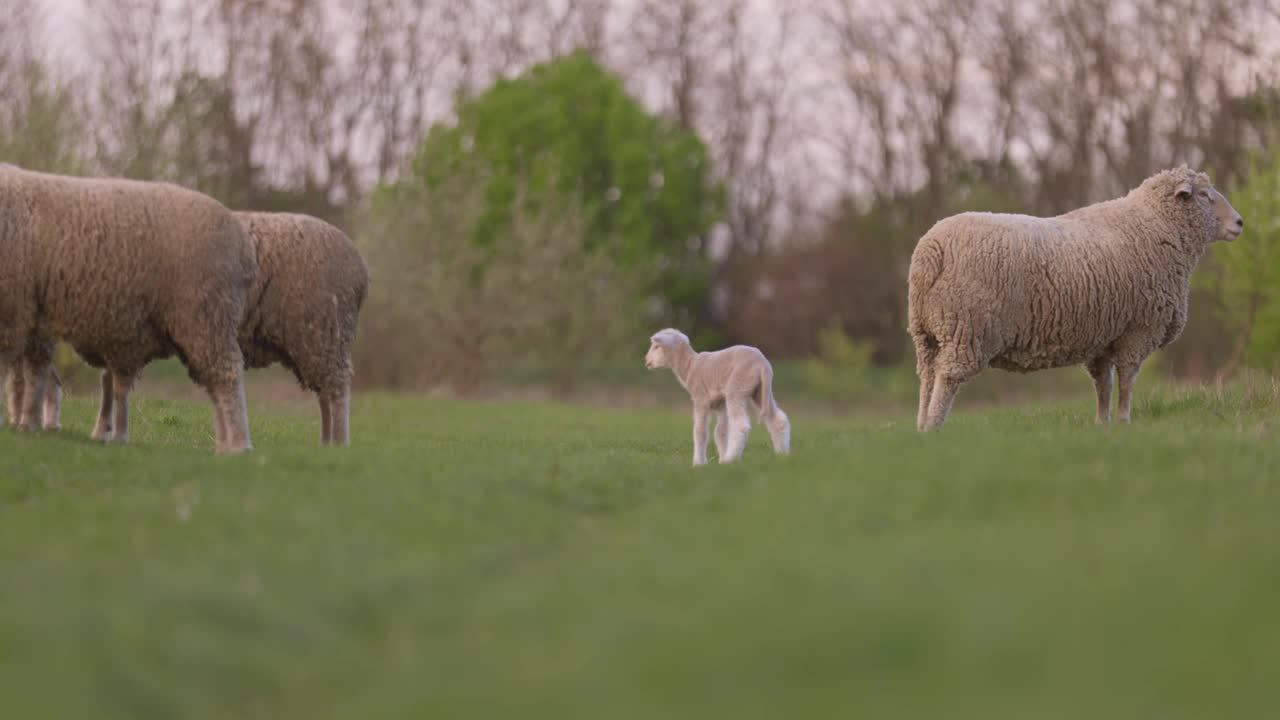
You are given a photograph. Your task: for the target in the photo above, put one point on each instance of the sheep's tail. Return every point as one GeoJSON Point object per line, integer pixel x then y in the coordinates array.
{"type": "Point", "coordinates": [926, 268]}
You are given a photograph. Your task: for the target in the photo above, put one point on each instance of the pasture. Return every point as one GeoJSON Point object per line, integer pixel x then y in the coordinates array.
{"type": "Point", "coordinates": [533, 559]}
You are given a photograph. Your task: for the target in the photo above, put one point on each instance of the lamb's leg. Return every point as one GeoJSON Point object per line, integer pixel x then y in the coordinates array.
{"type": "Point", "coordinates": [1100, 370]}
{"type": "Point", "coordinates": [739, 428]}
{"type": "Point", "coordinates": [102, 427]}
{"type": "Point", "coordinates": [1126, 374]}
{"type": "Point", "coordinates": [326, 420]}
{"type": "Point", "coordinates": [721, 433]}
{"type": "Point", "coordinates": [699, 435]}
{"type": "Point", "coordinates": [339, 417]}
{"type": "Point", "coordinates": [51, 417]}
{"type": "Point", "coordinates": [120, 387]}
{"type": "Point", "coordinates": [229, 404]}
{"type": "Point", "coordinates": [779, 426]}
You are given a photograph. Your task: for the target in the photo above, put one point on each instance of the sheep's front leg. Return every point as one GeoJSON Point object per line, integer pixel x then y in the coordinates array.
{"type": "Point", "coordinates": [13, 391]}
{"type": "Point", "coordinates": [1126, 375]}
{"type": "Point", "coordinates": [739, 428]}
{"type": "Point", "coordinates": [699, 435]}
{"type": "Point", "coordinates": [721, 433]}
{"type": "Point", "coordinates": [120, 387]}
{"type": "Point", "coordinates": [102, 427]}
{"type": "Point", "coordinates": [1100, 370]}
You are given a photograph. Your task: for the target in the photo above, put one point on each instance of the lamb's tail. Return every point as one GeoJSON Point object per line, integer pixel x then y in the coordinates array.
{"type": "Point", "coordinates": [926, 268]}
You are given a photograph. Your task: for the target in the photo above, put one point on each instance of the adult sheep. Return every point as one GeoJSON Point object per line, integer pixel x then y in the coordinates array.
{"type": "Point", "coordinates": [125, 272]}
{"type": "Point", "coordinates": [301, 312]}
{"type": "Point", "coordinates": [1103, 286]}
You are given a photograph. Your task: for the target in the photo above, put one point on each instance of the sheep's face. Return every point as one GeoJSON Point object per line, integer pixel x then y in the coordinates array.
{"type": "Point", "coordinates": [1228, 223]}
{"type": "Point", "coordinates": [660, 345]}
{"type": "Point", "coordinates": [656, 357]}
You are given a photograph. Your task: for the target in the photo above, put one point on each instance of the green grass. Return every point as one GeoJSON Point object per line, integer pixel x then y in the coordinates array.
{"type": "Point", "coordinates": [479, 560]}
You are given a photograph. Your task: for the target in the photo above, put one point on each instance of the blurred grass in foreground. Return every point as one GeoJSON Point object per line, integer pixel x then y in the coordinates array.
{"type": "Point", "coordinates": [475, 559]}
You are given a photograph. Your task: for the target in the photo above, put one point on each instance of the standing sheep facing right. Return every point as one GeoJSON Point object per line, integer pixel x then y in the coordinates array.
{"type": "Point", "coordinates": [1103, 286]}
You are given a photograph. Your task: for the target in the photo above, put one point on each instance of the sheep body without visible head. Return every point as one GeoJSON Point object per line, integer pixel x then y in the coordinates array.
{"type": "Point", "coordinates": [1103, 286]}
{"type": "Point", "coordinates": [302, 312]}
{"type": "Point", "coordinates": [724, 383]}
{"type": "Point", "coordinates": [125, 272]}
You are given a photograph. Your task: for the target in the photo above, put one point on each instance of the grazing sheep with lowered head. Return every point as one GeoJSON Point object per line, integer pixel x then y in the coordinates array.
{"type": "Point", "coordinates": [1103, 286]}
{"type": "Point", "coordinates": [302, 313]}
{"type": "Point", "coordinates": [125, 272]}
{"type": "Point", "coordinates": [722, 383]}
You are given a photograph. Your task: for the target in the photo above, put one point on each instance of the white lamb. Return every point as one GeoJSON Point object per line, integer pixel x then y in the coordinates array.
{"type": "Point", "coordinates": [722, 382]}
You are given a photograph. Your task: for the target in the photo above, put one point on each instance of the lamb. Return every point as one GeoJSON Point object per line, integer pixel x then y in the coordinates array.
{"type": "Point", "coordinates": [302, 312]}
{"type": "Point", "coordinates": [722, 382]}
{"type": "Point", "coordinates": [125, 272]}
{"type": "Point", "coordinates": [1103, 286]}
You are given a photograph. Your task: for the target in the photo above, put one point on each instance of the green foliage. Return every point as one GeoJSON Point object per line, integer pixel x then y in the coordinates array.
{"type": "Point", "coordinates": [1244, 276]}
{"type": "Point", "coordinates": [568, 129]}
{"type": "Point", "coordinates": [842, 365]}
{"type": "Point", "coordinates": [472, 560]}
{"type": "Point", "coordinates": [41, 122]}
{"type": "Point", "coordinates": [444, 309]}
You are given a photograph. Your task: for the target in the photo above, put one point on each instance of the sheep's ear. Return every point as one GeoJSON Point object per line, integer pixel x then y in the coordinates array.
{"type": "Point", "coordinates": [1184, 190]}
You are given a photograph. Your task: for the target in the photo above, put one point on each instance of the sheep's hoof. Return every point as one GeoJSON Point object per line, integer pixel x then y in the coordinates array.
{"type": "Point", "coordinates": [55, 427]}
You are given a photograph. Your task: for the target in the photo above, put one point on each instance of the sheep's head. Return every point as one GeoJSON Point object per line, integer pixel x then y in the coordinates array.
{"type": "Point", "coordinates": [1194, 193]}
{"type": "Point", "coordinates": [662, 346]}
{"type": "Point", "coordinates": [1201, 191]}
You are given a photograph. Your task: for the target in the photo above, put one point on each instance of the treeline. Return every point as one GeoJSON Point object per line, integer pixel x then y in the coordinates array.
{"type": "Point", "coordinates": [821, 140]}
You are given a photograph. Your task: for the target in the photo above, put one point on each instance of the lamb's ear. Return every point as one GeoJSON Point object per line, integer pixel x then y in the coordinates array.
{"type": "Point", "coordinates": [1184, 190]}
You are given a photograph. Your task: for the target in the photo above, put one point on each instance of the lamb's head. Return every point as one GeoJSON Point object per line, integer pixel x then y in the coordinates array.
{"type": "Point", "coordinates": [1191, 196]}
{"type": "Point", "coordinates": [663, 346]}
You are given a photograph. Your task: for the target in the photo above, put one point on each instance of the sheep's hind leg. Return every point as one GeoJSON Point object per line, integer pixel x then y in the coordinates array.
{"type": "Point", "coordinates": [1126, 375]}
{"type": "Point", "coordinates": [739, 428]}
{"type": "Point", "coordinates": [102, 429]}
{"type": "Point", "coordinates": [1100, 369]}
{"type": "Point", "coordinates": [35, 379]}
{"type": "Point", "coordinates": [721, 433]}
{"type": "Point", "coordinates": [51, 417]}
{"type": "Point", "coordinates": [326, 419]}
{"type": "Point", "coordinates": [339, 417]}
{"type": "Point", "coordinates": [926, 354]}
{"type": "Point", "coordinates": [779, 426]}
{"type": "Point", "coordinates": [231, 411]}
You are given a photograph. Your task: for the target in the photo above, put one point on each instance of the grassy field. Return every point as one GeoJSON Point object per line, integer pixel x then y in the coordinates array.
{"type": "Point", "coordinates": [482, 560]}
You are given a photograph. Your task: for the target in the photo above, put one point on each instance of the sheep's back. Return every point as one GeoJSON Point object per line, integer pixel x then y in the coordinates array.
{"type": "Point", "coordinates": [118, 262]}
{"type": "Point", "coordinates": [1031, 293]}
